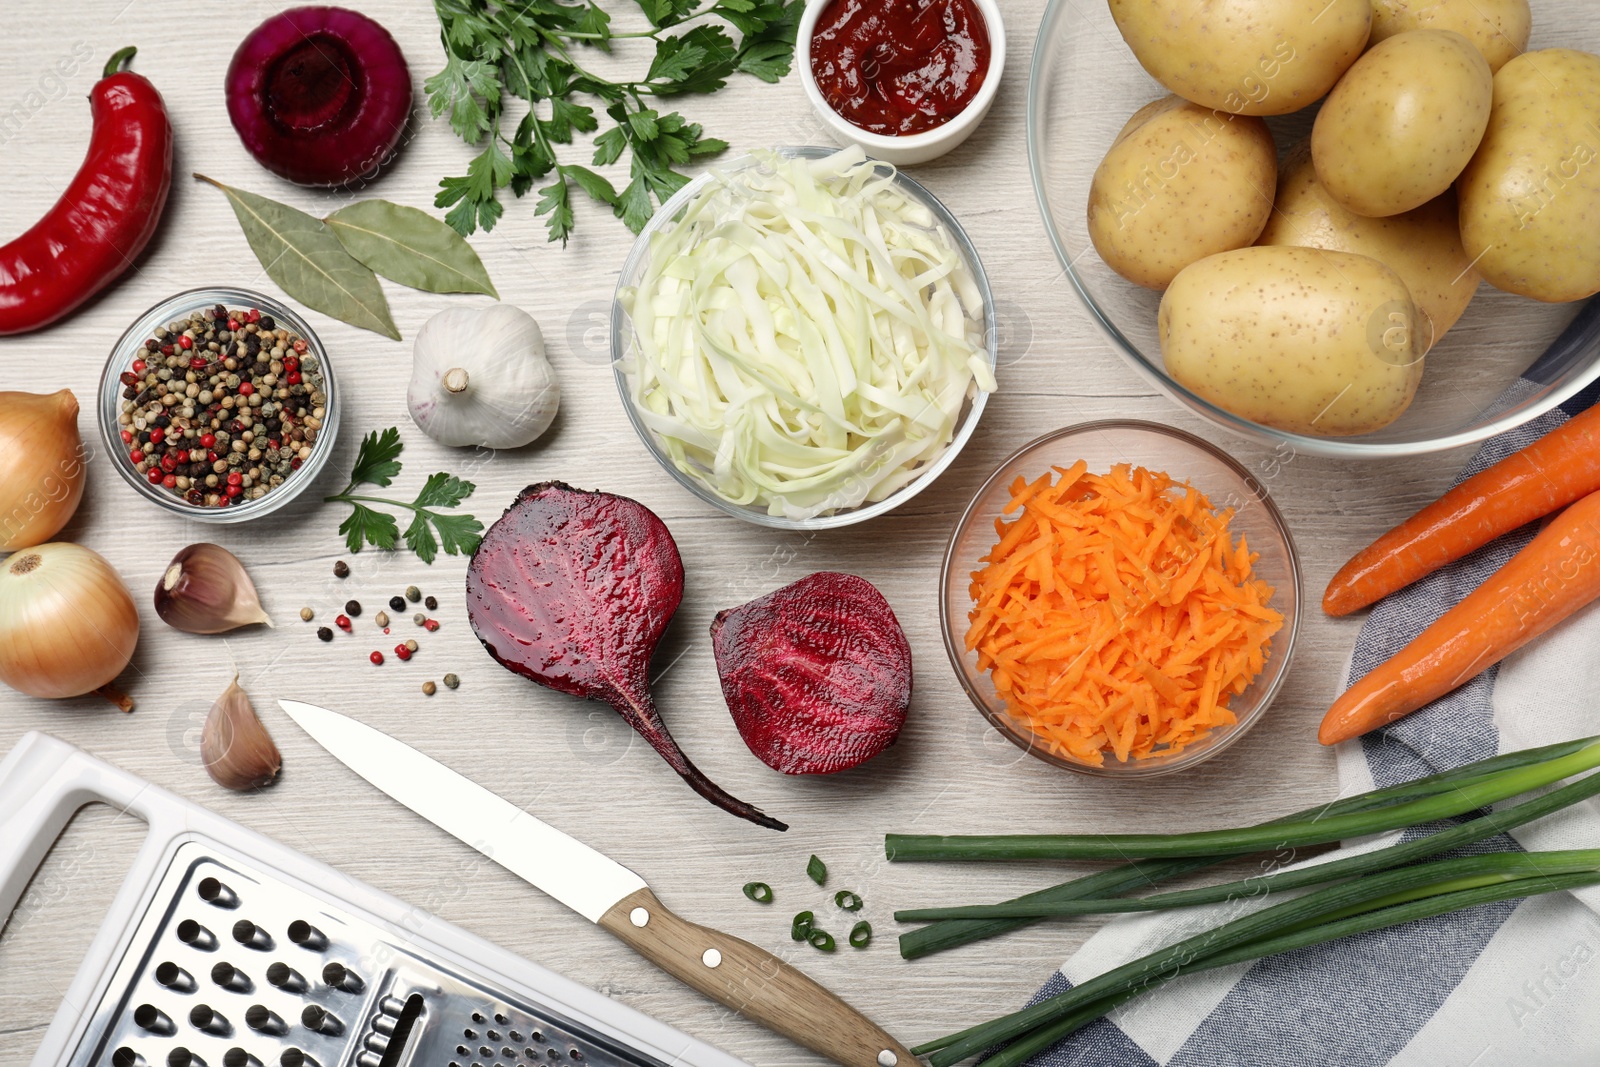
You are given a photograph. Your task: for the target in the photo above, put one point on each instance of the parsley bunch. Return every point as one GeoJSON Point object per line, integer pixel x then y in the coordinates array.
{"type": "Point", "coordinates": [499, 49]}
{"type": "Point", "coordinates": [378, 463]}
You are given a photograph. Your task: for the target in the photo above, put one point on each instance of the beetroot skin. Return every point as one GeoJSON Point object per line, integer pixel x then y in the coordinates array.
{"type": "Point", "coordinates": [319, 95]}
{"type": "Point", "coordinates": [574, 589]}
{"type": "Point", "coordinates": [817, 674]}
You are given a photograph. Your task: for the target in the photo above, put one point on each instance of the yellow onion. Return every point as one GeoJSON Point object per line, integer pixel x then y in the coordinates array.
{"type": "Point", "coordinates": [67, 623]}
{"type": "Point", "coordinates": [41, 481]}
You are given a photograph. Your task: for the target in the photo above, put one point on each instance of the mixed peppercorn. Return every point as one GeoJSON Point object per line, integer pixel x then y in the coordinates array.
{"type": "Point", "coordinates": [399, 602]}
{"type": "Point", "coordinates": [221, 408]}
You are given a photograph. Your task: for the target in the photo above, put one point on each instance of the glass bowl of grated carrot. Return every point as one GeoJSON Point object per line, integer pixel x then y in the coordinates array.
{"type": "Point", "coordinates": [1121, 599]}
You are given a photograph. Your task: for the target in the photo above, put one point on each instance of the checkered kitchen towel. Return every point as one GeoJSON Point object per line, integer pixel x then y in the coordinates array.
{"type": "Point", "coordinates": [1503, 985]}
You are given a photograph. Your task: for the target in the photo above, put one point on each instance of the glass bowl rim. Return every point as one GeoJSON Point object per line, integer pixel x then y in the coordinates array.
{"type": "Point", "coordinates": [109, 394]}
{"type": "Point", "coordinates": [997, 717]}
{"type": "Point", "coordinates": [1338, 447]}
{"type": "Point", "coordinates": [929, 473]}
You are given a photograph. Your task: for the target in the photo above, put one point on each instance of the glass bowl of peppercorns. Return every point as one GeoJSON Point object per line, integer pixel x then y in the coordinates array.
{"type": "Point", "coordinates": [219, 405]}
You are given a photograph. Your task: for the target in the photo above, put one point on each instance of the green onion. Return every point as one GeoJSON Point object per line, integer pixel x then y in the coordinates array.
{"type": "Point", "coordinates": [861, 934]}
{"type": "Point", "coordinates": [816, 870]}
{"type": "Point", "coordinates": [1025, 1048]}
{"type": "Point", "coordinates": [821, 940]}
{"type": "Point", "coordinates": [760, 892]}
{"type": "Point", "coordinates": [1496, 822]}
{"type": "Point", "coordinates": [1375, 891]}
{"type": "Point", "coordinates": [953, 933]}
{"type": "Point", "coordinates": [847, 900]}
{"type": "Point", "coordinates": [1466, 796]}
{"type": "Point", "coordinates": [800, 928]}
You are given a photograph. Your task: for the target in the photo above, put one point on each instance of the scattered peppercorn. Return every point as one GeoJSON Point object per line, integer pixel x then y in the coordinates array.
{"type": "Point", "coordinates": [431, 625]}
{"type": "Point", "coordinates": [413, 594]}
{"type": "Point", "coordinates": [343, 623]}
{"type": "Point", "coordinates": [431, 603]}
{"type": "Point", "coordinates": [324, 634]}
{"type": "Point", "coordinates": [341, 569]}
{"type": "Point", "coordinates": [376, 658]}
{"type": "Point", "coordinates": [214, 427]}
{"type": "Point", "coordinates": [451, 681]}
{"type": "Point", "coordinates": [352, 608]}
{"type": "Point", "coordinates": [419, 618]}
{"type": "Point", "coordinates": [428, 689]}
{"type": "Point", "coordinates": [307, 614]}
{"type": "Point", "coordinates": [397, 603]}
{"type": "Point", "coordinates": [382, 619]}
{"type": "Point", "coordinates": [412, 645]}
{"type": "Point", "coordinates": [402, 651]}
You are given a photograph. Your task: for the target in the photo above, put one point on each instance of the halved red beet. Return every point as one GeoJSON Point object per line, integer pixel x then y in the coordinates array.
{"type": "Point", "coordinates": [573, 589]}
{"type": "Point", "coordinates": [319, 95]}
{"type": "Point", "coordinates": [817, 674]}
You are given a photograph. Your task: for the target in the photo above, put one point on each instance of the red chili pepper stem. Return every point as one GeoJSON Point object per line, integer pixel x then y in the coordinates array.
{"type": "Point", "coordinates": [119, 61]}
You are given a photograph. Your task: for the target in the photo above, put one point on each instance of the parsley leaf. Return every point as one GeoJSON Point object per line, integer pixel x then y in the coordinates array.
{"type": "Point", "coordinates": [378, 463]}
{"type": "Point", "coordinates": [499, 50]}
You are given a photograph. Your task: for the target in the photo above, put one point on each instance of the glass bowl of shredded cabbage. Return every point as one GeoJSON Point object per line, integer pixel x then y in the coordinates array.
{"type": "Point", "coordinates": [804, 338]}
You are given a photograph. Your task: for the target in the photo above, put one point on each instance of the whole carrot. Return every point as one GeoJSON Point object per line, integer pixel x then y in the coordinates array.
{"type": "Point", "coordinates": [1560, 467]}
{"type": "Point", "coordinates": [1558, 573]}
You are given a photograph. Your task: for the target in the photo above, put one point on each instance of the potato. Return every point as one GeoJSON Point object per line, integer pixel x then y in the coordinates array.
{"type": "Point", "coordinates": [1302, 339]}
{"type": "Point", "coordinates": [1401, 126]}
{"type": "Point", "coordinates": [1249, 57]}
{"type": "Point", "coordinates": [1531, 196]}
{"type": "Point", "coordinates": [1422, 246]}
{"type": "Point", "coordinates": [1181, 183]}
{"type": "Point", "coordinates": [1499, 28]}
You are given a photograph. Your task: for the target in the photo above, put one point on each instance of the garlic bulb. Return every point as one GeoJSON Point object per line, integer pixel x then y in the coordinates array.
{"type": "Point", "coordinates": [41, 482]}
{"type": "Point", "coordinates": [479, 377]}
{"type": "Point", "coordinates": [67, 624]}
{"type": "Point", "coordinates": [237, 750]}
{"type": "Point", "coordinates": [205, 590]}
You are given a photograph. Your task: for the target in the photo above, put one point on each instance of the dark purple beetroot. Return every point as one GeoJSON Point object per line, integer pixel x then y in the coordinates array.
{"type": "Point", "coordinates": [817, 674]}
{"type": "Point", "coordinates": [319, 95]}
{"type": "Point", "coordinates": [574, 589]}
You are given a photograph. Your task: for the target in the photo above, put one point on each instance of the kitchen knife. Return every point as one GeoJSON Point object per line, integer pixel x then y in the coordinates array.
{"type": "Point", "coordinates": [750, 980]}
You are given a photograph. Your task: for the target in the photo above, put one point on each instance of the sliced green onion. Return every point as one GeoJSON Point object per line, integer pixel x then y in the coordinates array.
{"type": "Point", "coordinates": [821, 940]}
{"type": "Point", "coordinates": [816, 870]}
{"type": "Point", "coordinates": [1375, 891]}
{"type": "Point", "coordinates": [805, 335]}
{"type": "Point", "coordinates": [861, 934]}
{"type": "Point", "coordinates": [847, 900]}
{"type": "Point", "coordinates": [1479, 829]}
{"type": "Point", "coordinates": [1466, 796]}
{"type": "Point", "coordinates": [760, 892]}
{"type": "Point", "coordinates": [800, 928]}
{"type": "Point", "coordinates": [953, 933]}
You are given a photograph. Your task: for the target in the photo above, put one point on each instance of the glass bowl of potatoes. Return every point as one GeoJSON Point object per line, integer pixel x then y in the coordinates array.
{"type": "Point", "coordinates": [1353, 227]}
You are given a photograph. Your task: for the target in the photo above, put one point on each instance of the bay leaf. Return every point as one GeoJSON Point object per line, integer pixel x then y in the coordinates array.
{"type": "Point", "coordinates": [410, 246]}
{"type": "Point", "coordinates": [301, 254]}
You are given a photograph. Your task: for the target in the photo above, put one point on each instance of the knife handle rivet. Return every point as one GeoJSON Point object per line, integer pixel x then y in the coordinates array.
{"type": "Point", "coordinates": [639, 916]}
{"type": "Point", "coordinates": [887, 1058]}
{"type": "Point", "coordinates": [711, 958]}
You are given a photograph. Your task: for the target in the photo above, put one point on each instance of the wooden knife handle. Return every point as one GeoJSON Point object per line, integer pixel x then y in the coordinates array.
{"type": "Point", "coordinates": [754, 983]}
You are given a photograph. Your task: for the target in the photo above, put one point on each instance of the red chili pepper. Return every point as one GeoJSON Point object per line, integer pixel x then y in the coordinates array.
{"type": "Point", "coordinates": [107, 215]}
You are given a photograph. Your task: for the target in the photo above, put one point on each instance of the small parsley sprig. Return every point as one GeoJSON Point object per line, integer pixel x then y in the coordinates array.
{"type": "Point", "coordinates": [524, 49]}
{"type": "Point", "coordinates": [378, 463]}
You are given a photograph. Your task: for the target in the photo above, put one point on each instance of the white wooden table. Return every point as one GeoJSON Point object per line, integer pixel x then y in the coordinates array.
{"type": "Point", "coordinates": [576, 764]}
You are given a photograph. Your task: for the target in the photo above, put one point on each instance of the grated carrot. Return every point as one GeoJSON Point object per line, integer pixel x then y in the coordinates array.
{"type": "Point", "coordinates": [1116, 614]}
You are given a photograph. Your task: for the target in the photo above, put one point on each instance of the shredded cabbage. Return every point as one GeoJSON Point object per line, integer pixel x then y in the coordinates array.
{"type": "Point", "coordinates": [806, 335]}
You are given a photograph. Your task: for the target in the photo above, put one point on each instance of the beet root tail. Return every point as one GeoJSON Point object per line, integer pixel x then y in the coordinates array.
{"type": "Point", "coordinates": [641, 714]}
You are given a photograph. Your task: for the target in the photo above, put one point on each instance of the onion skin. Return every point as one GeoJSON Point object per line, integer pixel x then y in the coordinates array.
{"type": "Point", "coordinates": [41, 483]}
{"type": "Point", "coordinates": [68, 625]}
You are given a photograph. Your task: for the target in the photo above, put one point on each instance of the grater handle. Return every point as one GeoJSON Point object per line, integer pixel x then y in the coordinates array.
{"type": "Point", "coordinates": [753, 982]}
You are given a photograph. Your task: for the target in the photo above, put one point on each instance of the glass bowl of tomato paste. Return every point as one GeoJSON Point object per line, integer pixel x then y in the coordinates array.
{"type": "Point", "coordinates": [907, 80]}
{"type": "Point", "coordinates": [1121, 599]}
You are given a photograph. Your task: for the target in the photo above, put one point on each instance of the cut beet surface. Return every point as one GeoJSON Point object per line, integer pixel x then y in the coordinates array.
{"type": "Point", "coordinates": [574, 589]}
{"type": "Point", "coordinates": [817, 674]}
{"type": "Point", "coordinates": [319, 95]}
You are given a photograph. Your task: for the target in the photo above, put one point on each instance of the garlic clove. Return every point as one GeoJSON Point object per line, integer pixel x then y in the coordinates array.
{"type": "Point", "coordinates": [205, 590]}
{"type": "Point", "coordinates": [237, 750]}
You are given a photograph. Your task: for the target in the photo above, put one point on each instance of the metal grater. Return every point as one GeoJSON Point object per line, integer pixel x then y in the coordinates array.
{"type": "Point", "coordinates": [226, 949]}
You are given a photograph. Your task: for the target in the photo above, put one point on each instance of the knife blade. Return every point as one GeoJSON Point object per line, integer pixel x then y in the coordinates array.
{"type": "Point", "coordinates": [737, 974]}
